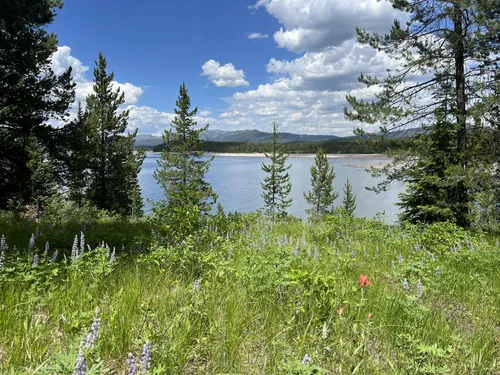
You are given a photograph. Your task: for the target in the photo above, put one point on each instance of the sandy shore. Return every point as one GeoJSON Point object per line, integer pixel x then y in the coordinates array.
{"type": "Point", "coordinates": [331, 156]}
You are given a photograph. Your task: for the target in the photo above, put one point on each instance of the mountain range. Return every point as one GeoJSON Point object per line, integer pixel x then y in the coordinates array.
{"type": "Point", "coordinates": [240, 136]}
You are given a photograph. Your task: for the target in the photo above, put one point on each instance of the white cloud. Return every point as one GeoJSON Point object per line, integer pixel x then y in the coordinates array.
{"type": "Point", "coordinates": [257, 36]}
{"type": "Point", "coordinates": [311, 25]}
{"type": "Point", "coordinates": [62, 60]}
{"type": "Point", "coordinates": [205, 113]}
{"type": "Point", "coordinates": [225, 75]}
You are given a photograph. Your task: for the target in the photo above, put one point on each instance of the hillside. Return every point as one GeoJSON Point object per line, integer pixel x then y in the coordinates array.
{"type": "Point", "coordinates": [239, 136]}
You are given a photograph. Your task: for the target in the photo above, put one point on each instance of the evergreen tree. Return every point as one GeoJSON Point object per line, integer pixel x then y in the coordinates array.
{"type": "Point", "coordinates": [349, 200]}
{"type": "Point", "coordinates": [321, 196]}
{"type": "Point", "coordinates": [113, 163]}
{"type": "Point", "coordinates": [42, 183]}
{"type": "Point", "coordinates": [182, 170]}
{"type": "Point", "coordinates": [77, 160]}
{"type": "Point", "coordinates": [276, 185]}
{"type": "Point", "coordinates": [30, 93]}
{"type": "Point", "coordinates": [448, 54]}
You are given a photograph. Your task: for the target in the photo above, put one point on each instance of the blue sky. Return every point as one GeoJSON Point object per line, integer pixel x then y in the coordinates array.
{"type": "Point", "coordinates": [298, 71]}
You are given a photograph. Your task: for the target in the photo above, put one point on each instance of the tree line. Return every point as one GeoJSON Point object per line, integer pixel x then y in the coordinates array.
{"type": "Point", "coordinates": [353, 145]}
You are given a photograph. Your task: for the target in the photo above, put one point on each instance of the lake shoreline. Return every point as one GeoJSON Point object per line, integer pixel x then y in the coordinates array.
{"type": "Point", "coordinates": [330, 156]}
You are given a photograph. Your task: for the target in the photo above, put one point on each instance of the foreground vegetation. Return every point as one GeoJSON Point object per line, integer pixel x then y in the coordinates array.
{"type": "Point", "coordinates": [247, 296]}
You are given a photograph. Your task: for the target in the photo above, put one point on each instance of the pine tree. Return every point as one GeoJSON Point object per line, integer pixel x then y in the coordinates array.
{"type": "Point", "coordinates": [276, 185]}
{"type": "Point", "coordinates": [30, 93]}
{"type": "Point", "coordinates": [77, 160]}
{"type": "Point", "coordinates": [448, 57]}
{"type": "Point", "coordinates": [42, 183]}
{"type": "Point", "coordinates": [349, 200]}
{"type": "Point", "coordinates": [182, 170]}
{"type": "Point", "coordinates": [113, 164]}
{"type": "Point", "coordinates": [321, 196]}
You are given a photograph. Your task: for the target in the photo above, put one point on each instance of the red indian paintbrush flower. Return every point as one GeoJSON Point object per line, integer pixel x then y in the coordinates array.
{"type": "Point", "coordinates": [340, 311]}
{"type": "Point", "coordinates": [363, 281]}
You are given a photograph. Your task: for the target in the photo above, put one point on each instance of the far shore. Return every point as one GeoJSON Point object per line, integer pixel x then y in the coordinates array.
{"type": "Point", "coordinates": [330, 156]}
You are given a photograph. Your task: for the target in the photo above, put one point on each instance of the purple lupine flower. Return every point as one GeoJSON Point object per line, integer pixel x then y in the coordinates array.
{"type": "Point", "coordinates": [74, 249]}
{"type": "Point", "coordinates": [420, 289]}
{"type": "Point", "coordinates": [82, 243]}
{"type": "Point", "coordinates": [304, 239]}
{"type": "Point", "coordinates": [364, 250]}
{"type": "Point", "coordinates": [400, 258]}
{"type": "Point", "coordinates": [393, 265]}
{"type": "Point", "coordinates": [81, 365]}
{"type": "Point", "coordinates": [37, 233]}
{"type": "Point", "coordinates": [2, 258]}
{"type": "Point", "coordinates": [438, 271]}
{"type": "Point", "coordinates": [3, 243]}
{"type": "Point", "coordinates": [93, 335]}
{"type": "Point", "coordinates": [306, 360]}
{"type": "Point", "coordinates": [112, 258]}
{"type": "Point", "coordinates": [31, 244]}
{"type": "Point", "coordinates": [131, 364]}
{"type": "Point", "coordinates": [146, 357]}
{"type": "Point", "coordinates": [309, 251]}
{"type": "Point", "coordinates": [54, 257]}
{"type": "Point", "coordinates": [47, 246]}
{"type": "Point", "coordinates": [316, 254]}
{"type": "Point", "coordinates": [35, 260]}
{"type": "Point", "coordinates": [353, 253]}
{"type": "Point", "coordinates": [405, 285]}
{"type": "Point", "coordinates": [196, 285]}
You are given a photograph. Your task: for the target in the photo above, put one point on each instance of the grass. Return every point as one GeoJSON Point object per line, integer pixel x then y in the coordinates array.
{"type": "Point", "coordinates": [268, 295]}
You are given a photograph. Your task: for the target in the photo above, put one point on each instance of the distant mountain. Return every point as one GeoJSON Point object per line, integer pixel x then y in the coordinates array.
{"type": "Point", "coordinates": [240, 136]}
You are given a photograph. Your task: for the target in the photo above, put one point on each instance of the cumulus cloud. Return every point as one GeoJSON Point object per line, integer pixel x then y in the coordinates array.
{"type": "Point", "coordinates": [62, 60]}
{"type": "Point", "coordinates": [257, 36]}
{"type": "Point", "coordinates": [311, 25]}
{"type": "Point", "coordinates": [224, 75]}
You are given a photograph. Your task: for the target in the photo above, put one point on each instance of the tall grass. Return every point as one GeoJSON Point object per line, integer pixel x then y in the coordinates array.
{"type": "Point", "coordinates": [282, 298]}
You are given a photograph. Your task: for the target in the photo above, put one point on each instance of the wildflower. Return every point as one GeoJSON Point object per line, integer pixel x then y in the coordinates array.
{"type": "Point", "coordinates": [377, 249]}
{"type": "Point", "coordinates": [123, 247]}
{"type": "Point", "coordinates": [364, 250]}
{"type": "Point", "coordinates": [196, 285]}
{"type": "Point", "coordinates": [2, 258]}
{"type": "Point", "coordinates": [420, 289]}
{"type": "Point", "coordinates": [433, 257]}
{"type": "Point", "coordinates": [304, 243]}
{"type": "Point", "coordinates": [405, 285]}
{"type": "Point", "coordinates": [363, 281]}
{"type": "Point", "coordinates": [370, 315]}
{"type": "Point", "coordinates": [31, 244]}
{"type": "Point", "coordinates": [54, 257]}
{"type": "Point", "coordinates": [47, 246]}
{"type": "Point", "coordinates": [393, 265]}
{"type": "Point", "coordinates": [112, 258]}
{"type": "Point", "coordinates": [338, 254]}
{"type": "Point", "coordinates": [497, 244]}
{"type": "Point", "coordinates": [146, 357]}
{"type": "Point", "coordinates": [400, 258]}
{"type": "Point", "coordinates": [94, 332]}
{"type": "Point", "coordinates": [35, 260]}
{"type": "Point", "coordinates": [316, 254]}
{"type": "Point", "coordinates": [438, 271]}
{"type": "Point", "coordinates": [308, 251]}
{"type": "Point", "coordinates": [82, 243]}
{"type": "Point", "coordinates": [306, 360]}
{"type": "Point", "coordinates": [37, 233]}
{"type": "Point", "coordinates": [340, 311]}
{"type": "Point", "coordinates": [131, 364]}
{"type": "Point", "coordinates": [74, 249]}
{"type": "Point", "coordinates": [81, 365]}
{"type": "Point", "coordinates": [353, 253]}
{"type": "Point", "coordinates": [324, 332]}
{"type": "Point", "coordinates": [3, 243]}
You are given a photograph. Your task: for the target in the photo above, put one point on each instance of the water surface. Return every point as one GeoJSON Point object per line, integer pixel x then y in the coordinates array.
{"type": "Point", "coordinates": [236, 179]}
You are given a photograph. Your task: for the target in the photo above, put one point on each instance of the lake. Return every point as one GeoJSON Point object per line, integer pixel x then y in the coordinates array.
{"type": "Point", "coordinates": [236, 179]}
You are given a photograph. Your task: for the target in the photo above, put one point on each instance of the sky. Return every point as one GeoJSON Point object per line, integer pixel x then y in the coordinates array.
{"type": "Point", "coordinates": [244, 62]}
